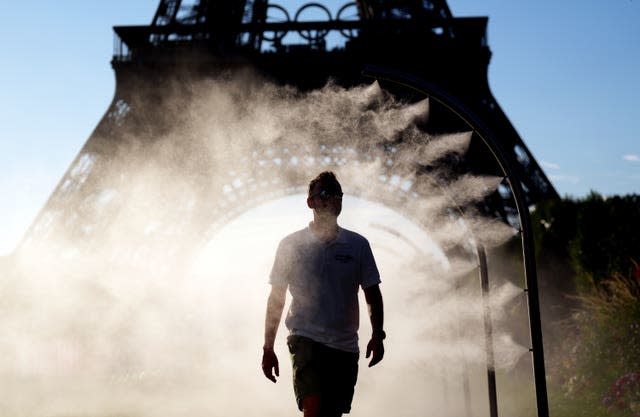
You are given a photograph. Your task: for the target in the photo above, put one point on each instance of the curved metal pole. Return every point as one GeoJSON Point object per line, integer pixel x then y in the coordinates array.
{"type": "Point", "coordinates": [526, 234]}
{"type": "Point", "coordinates": [533, 304]}
{"type": "Point", "coordinates": [488, 333]}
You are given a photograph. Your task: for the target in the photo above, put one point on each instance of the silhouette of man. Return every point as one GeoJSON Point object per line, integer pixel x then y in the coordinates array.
{"type": "Point", "coordinates": [323, 266]}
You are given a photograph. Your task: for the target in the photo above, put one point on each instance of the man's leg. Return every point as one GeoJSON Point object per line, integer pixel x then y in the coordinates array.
{"type": "Point", "coordinates": [306, 382]}
{"type": "Point", "coordinates": [324, 378]}
{"type": "Point", "coordinates": [339, 375]}
{"type": "Point", "coordinates": [311, 406]}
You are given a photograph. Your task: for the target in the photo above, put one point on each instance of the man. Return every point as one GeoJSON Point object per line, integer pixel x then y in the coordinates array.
{"type": "Point", "coordinates": [323, 266]}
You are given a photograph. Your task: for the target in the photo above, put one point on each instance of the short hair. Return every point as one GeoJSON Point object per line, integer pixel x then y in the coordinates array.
{"type": "Point", "coordinates": [326, 177]}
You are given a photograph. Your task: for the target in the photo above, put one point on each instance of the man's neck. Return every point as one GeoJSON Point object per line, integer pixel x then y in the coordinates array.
{"type": "Point", "coordinates": [324, 229]}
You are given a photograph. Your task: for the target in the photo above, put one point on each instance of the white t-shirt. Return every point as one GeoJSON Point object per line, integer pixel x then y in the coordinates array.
{"type": "Point", "coordinates": [324, 279]}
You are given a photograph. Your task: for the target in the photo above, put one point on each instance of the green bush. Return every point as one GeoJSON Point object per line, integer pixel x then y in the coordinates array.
{"type": "Point", "coordinates": [607, 240]}
{"type": "Point", "coordinates": [597, 371]}
{"type": "Point", "coordinates": [594, 368]}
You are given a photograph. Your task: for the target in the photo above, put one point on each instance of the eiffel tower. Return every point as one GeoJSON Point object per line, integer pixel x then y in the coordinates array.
{"type": "Point", "coordinates": [403, 56]}
{"type": "Point", "coordinates": [408, 46]}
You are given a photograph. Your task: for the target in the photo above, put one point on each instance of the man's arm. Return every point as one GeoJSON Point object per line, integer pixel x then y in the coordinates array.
{"type": "Point", "coordinates": [275, 305]}
{"type": "Point", "coordinates": [376, 314]}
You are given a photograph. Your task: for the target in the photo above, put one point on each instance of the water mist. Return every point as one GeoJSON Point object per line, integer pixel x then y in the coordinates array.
{"type": "Point", "coordinates": [144, 293]}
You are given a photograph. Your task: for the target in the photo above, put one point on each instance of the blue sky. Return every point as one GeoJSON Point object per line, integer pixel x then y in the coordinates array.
{"type": "Point", "coordinates": [565, 73]}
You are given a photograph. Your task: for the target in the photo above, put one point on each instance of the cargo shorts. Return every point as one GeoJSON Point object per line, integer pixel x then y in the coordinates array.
{"type": "Point", "coordinates": [324, 371]}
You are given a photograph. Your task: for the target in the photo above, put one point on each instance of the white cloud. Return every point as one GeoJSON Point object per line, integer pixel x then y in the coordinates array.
{"type": "Point", "coordinates": [549, 165]}
{"type": "Point", "coordinates": [631, 157]}
{"type": "Point", "coordinates": [573, 179]}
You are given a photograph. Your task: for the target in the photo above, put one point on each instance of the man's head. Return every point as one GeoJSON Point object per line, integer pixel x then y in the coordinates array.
{"type": "Point", "coordinates": [325, 195]}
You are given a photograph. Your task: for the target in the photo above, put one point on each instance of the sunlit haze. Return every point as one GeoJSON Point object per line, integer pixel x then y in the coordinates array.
{"type": "Point", "coordinates": [143, 292]}
{"type": "Point", "coordinates": [136, 345]}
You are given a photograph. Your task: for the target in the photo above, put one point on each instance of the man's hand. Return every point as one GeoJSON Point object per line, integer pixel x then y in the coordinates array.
{"type": "Point", "coordinates": [376, 347]}
{"type": "Point", "coordinates": [270, 364]}
{"type": "Point", "coordinates": [376, 313]}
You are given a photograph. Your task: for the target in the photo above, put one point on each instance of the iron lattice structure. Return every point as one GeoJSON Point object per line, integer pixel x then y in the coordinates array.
{"type": "Point", "coordinates": [395, 42]}
{"type": "Point", "coordinates": [408, 38]}
{"type": "Point", "coordinates": [400, 44]}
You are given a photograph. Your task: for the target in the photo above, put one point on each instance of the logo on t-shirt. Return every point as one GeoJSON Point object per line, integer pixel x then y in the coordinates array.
{"type": "Point", "coordinates": [344, 258]}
